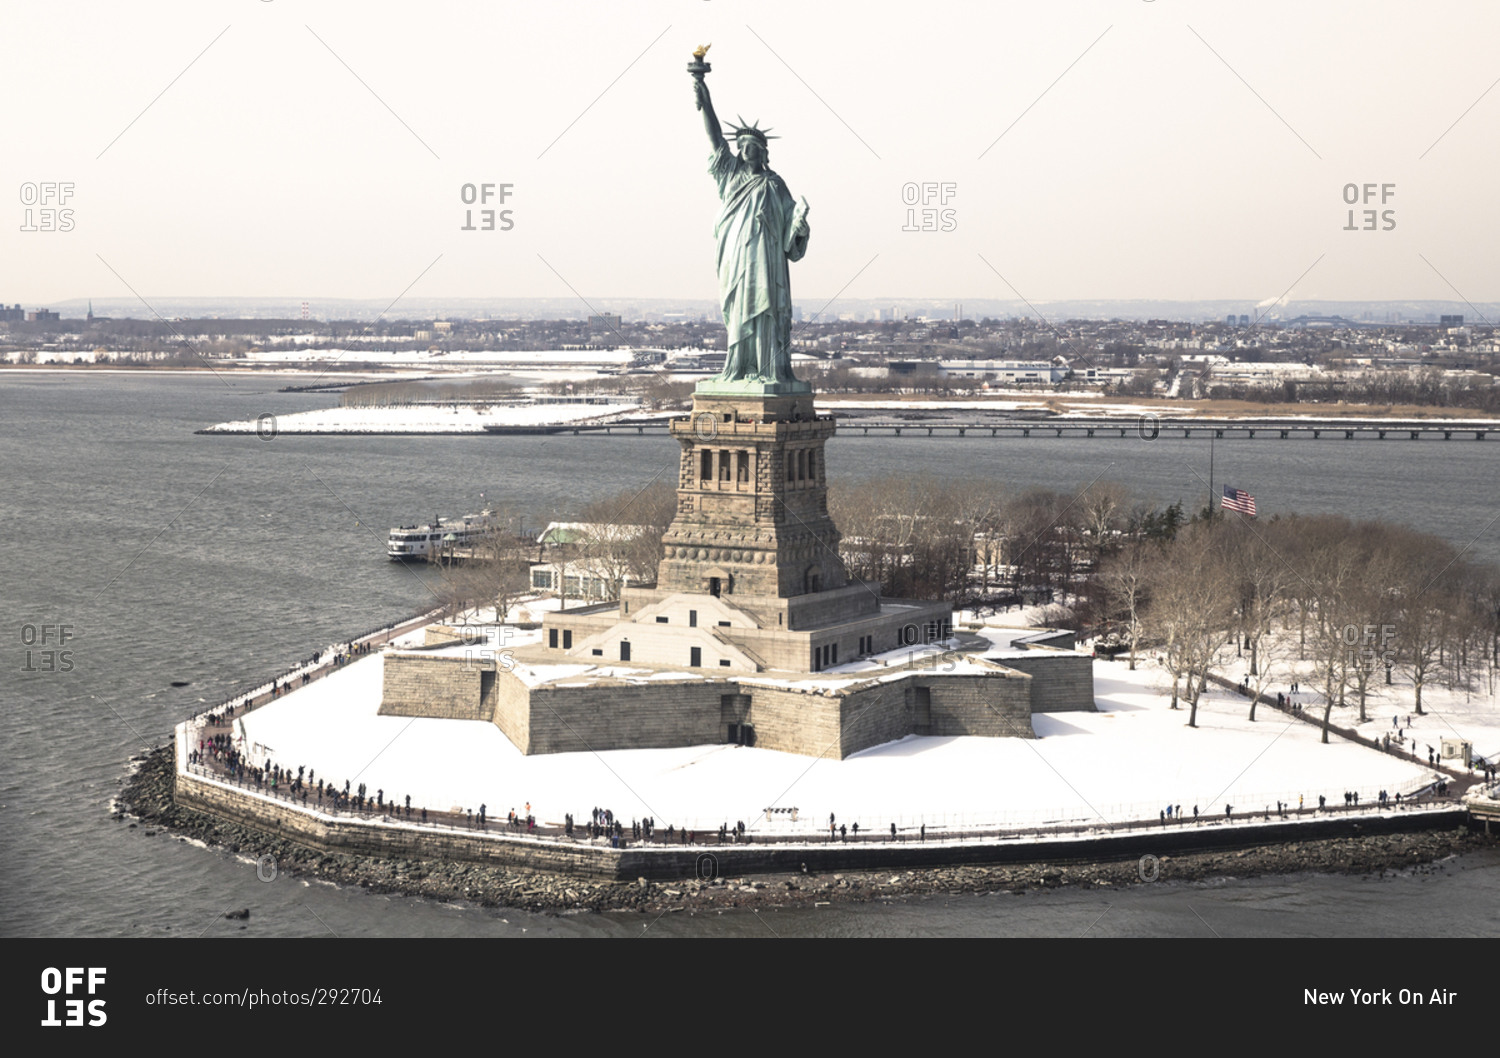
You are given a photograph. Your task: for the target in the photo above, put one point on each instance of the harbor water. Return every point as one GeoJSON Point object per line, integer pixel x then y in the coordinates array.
{"type": "Point", "coordinates": [152, 571]}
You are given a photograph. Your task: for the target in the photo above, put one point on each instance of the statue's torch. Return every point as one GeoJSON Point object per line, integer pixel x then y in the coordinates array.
{"type": "Point", "coordinates": [699, 66]}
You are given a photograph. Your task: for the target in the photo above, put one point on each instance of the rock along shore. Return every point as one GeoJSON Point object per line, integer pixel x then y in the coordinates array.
{"type": "Point", "coordinates": [148, 796]}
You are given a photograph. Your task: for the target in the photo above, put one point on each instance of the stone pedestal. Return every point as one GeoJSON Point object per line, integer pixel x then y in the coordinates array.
{"type": "Point", "coordinates": [752, 500]}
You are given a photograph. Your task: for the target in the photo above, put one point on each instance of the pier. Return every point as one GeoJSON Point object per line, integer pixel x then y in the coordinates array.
{"type": "Point", "coordinates": [1145, 427]}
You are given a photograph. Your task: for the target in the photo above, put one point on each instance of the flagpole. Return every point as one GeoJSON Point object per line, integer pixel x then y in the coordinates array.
{"type": "Point", "coordinates": [1211, 508]}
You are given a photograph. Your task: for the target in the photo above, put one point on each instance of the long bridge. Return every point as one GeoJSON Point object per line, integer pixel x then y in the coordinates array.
{"type": "Point", "coordinates": [1145, 427]}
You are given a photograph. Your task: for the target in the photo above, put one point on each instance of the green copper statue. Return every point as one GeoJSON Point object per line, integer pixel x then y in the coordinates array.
{"type": "Point", "coordinates": [759, 230]}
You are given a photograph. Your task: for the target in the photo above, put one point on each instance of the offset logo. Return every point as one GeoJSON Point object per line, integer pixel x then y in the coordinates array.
{"type": "Point", "coordinates": [479, 194]}
{"type": "Point", "coordinates": [74, 980]}
{"type": "Point", "coordinates": [39, 215]}
{"type": "Point", "coordinates": [1357, 194]}
{"type": "Point", "coordinates": [929, 217]}
{"type": "Point", "coordinates": [52, 657]}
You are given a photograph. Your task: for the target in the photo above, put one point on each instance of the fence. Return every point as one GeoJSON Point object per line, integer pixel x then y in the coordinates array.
{"type": "Point", "coordinates": [312, 668]}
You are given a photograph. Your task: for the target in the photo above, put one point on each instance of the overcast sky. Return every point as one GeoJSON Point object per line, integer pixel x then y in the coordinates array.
{"type": "Point", "coordinates": [1121, 149]}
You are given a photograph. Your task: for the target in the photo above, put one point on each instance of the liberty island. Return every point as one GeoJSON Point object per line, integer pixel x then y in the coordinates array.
{"type": "Point", "coordinates": [753, 635]}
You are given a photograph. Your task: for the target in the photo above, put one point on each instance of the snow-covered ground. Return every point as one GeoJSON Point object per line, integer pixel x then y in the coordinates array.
{"type": "Point", "coordinates": [298, 353]}
{"type": "Point", "coordinates": [1471, 714]}
{"type": "Point", "coordinates": [1126, 761]}
{"type": "Point", "coordinates": [432, 418]}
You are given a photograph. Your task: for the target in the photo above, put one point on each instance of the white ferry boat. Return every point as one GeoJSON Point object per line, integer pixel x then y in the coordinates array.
{"type": "Point", "coordinates": [408, 543]}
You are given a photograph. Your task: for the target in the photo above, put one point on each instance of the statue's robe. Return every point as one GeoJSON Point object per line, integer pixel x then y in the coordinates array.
{"type": "Point", "coordinates": [754, 233]}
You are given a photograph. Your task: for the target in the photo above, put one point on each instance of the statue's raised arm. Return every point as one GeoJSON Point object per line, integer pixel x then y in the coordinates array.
{"type": "Point", "coordinates": [700, 91]}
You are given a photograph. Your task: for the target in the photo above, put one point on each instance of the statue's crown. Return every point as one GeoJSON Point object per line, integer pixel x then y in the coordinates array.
{"type": "Point", "coordinates": [754, 131]}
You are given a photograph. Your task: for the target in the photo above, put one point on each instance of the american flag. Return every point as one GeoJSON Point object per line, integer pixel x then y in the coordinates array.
{"type": "Point", "coordinates": [1236, 500]}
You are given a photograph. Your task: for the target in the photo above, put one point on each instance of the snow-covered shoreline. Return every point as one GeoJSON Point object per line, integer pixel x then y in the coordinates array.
{"type": "Point", "coordinates": [454, 418]}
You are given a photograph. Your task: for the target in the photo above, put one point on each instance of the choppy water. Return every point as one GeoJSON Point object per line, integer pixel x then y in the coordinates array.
{"type": "Point", "coordinates": [217, 560]}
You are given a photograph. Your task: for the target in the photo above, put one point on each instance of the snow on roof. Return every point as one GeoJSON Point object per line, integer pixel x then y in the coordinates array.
{"type": "Point", "coordinates": [568, 532]}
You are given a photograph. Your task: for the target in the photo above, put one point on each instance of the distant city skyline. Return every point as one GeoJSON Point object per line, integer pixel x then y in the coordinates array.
{"type": "Point", "coordinates": [1183, 152]}
{"type": "Point", "coordinates": [862, 309]}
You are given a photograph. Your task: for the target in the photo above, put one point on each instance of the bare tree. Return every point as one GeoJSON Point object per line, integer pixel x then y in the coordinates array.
{"type": "Point", "coordinates": [619, 540]}
{"type": "Point", "coordinates": [500, 572]}
{"type": "Point", "coordinates": [1373, 609]}
{"type": "Point", "coordinates": [1191, 611]}
{"type": "Point", "coordinates": [1125, 579]}
{"type": "Point", "coordinates": [1261, 576]}
{"type": "Point", "coordinates": [1105, 509]}
{"type": "Point", "coordinates": [1427, 612]}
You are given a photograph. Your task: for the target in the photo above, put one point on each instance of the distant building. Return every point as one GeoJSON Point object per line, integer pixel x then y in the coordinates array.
{"type": "Point", "coordinates": [1450, 321]}
{"type": "Point", "coordinates": [575, 580]}
{"type": "Point", "coordinates": [14, 314]}
{"type": "Point", "coordinates": [610, 322]}
{"type": "Point", "coordinates": [42, 316]}
{"type": "Point", "coordinates": [1253, 372]}
{"type": "Point", "coordinates": [1019, 372]}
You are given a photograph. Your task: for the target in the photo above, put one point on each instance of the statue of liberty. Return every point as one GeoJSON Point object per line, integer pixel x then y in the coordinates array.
{"type": "Point", "coordinates": [759, 230]}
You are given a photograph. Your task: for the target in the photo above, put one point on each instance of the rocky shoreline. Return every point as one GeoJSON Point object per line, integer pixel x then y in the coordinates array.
{"type": "Point", "coordinates": [146, 801]}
